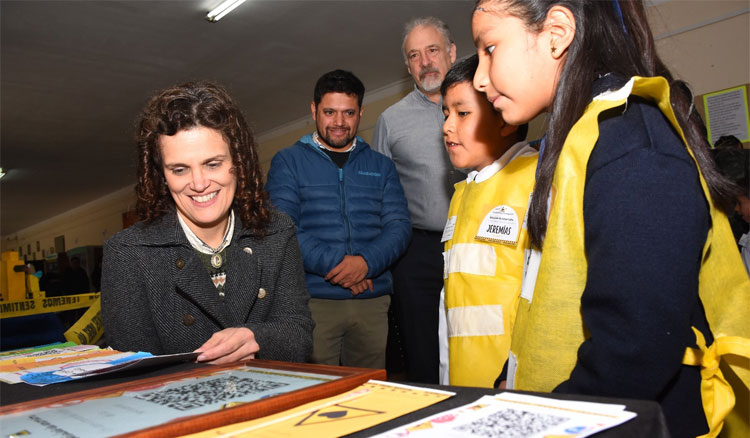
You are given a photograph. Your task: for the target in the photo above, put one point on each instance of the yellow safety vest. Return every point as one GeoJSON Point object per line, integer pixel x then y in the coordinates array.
{"type": "Point", "coordinates": [549, 328]}
{"type": "Point", "coordinates": [483, 275]}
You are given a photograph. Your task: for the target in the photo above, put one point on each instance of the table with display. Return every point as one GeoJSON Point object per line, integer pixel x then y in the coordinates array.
{"type": "Point", "coordinates": [19, 397]}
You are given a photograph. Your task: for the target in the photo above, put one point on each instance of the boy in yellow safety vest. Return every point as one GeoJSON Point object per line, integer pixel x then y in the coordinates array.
{"type": "Point", "coordinates": [485, 234]}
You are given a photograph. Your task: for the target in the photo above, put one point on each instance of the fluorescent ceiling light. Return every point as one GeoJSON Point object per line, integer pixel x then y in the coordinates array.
{"type": "Point", "coordinates": [2, 173]}
{"type": "Point", "coordinates": [223, 9]}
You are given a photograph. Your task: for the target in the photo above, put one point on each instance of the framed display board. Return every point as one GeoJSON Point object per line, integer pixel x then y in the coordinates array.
{"type": "Point", "coordinates": [183, 402]}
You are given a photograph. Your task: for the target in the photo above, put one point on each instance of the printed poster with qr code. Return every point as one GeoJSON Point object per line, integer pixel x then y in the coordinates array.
{"type": "Point", "coordinates": [512, 415]}
{"type": "Point", "coordinates": [134, 410]}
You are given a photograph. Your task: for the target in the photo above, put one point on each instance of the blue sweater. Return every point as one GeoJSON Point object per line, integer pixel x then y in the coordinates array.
{"type": "Point", "coordinates": [359, 209]}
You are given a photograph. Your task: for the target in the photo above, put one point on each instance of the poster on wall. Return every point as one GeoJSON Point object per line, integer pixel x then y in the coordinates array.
{"type": "Point", "coordinates": [727, 114]}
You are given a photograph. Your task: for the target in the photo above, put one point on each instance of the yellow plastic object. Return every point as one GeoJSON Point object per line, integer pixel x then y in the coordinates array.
{"type": "Point", "coordinates": [12, 282]}
{"type": "Point", "coordinates": [32, 284]}
{"type": "Point", "coordinates": [89, 328]}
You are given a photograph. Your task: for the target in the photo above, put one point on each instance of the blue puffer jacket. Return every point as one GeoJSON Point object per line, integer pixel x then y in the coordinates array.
{"type": "Point", "coordinates": [359, 209]}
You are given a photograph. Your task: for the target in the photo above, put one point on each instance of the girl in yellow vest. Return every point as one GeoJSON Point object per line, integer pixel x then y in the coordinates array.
{"type": "Point", "coordinates": [635, 287]}
{"type": "Point", "coordinates": [485, 235]}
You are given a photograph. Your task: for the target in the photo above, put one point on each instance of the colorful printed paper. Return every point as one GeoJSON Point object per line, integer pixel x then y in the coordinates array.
{"type": "Point", "coordinates": [369, 404]}
{"type": "Point", "coordinates": [517, 415]}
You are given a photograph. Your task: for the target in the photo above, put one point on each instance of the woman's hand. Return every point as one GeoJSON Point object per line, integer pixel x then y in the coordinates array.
{"type": "Point", "coordinates": [229, 345]}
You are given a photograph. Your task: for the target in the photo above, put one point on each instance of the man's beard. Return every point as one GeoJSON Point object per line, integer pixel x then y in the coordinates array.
{"type": "Point", "coordinates": [430, 83]}
{"type": "Point", "coordinates": [335, 144]}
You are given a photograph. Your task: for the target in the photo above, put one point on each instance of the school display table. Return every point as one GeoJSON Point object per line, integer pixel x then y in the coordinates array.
{"type": "Point", "coordinates": [648, 422]}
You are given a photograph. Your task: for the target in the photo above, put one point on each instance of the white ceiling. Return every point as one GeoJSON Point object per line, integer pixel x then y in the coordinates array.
{"type": "Point", "coordinates": [75, 74]}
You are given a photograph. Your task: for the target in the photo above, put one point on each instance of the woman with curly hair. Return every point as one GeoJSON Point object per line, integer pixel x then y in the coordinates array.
{"type": "Point", "coordinates": [211, 267]}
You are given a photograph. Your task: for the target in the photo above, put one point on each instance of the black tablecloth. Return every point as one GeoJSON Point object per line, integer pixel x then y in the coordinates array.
{"type": "Point", "coordinates": [648, 423]}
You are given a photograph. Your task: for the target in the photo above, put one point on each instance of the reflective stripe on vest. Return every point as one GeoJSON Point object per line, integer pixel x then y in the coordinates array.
{"type": "Point", "coordinates": [484, 278]}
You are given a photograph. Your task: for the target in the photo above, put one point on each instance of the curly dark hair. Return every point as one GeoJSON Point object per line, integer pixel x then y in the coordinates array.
{"type": "Point", "coordinates": [186, 106]}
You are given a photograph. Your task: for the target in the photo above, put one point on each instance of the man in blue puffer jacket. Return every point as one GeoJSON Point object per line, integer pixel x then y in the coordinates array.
{"type": "Point", "coordinates": [352, 224]}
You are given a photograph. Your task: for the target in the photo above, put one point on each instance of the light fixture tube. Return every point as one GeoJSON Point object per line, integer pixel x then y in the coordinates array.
{"type": "Point", "coordinates": [223, 9]}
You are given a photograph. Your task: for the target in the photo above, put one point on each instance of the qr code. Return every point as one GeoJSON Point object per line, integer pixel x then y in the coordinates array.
{"type": "Point", "coordinates": [208, 392]}
{"type": "Point", "coordinates": [511, 423]}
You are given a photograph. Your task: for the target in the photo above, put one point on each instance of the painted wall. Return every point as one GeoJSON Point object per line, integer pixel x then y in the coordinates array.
{"type": "Point", "coordinates": [89, 224]}
{"type": "Point", "coordinates": [706, 43]}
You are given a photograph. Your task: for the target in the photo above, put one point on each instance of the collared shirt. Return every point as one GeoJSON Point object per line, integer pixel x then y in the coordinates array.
{"type": "Point", "coordinates": [316, 139]}
{"type": "Point", "coordinates": [479, 176]}
{"type": "Point", "coordinates": [200, 245]}
{"type": "Point", "coordinates": [410, 132]}
{"type": "Point", "coordinates": [338, 157]}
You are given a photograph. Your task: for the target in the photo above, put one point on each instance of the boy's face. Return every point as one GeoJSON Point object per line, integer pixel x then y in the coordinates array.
{"type": "Point", "coordinates": [475, 134]}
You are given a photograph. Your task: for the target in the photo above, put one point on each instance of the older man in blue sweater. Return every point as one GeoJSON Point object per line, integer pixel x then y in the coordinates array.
{"type": "Point", "coordinates": [352, 224]}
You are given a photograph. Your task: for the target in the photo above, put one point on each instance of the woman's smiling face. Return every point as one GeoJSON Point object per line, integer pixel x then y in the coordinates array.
{"type": "Point", "coordinates": [198, 168]}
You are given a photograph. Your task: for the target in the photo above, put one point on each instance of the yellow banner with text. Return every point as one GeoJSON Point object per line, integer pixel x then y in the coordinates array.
{"type": "Point", "coordinates": [10, 309]}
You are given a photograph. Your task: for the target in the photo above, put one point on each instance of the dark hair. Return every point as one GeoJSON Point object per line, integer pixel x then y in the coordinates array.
{"type": "Point", "coordinates": [184, 107]}
{"type": "Point", "coordinates": [728, 141]}
{"type": "Point", "coordinates": [610, 37]}
{"type": "Point", "coordinates": [734, 164]}
{"type": "Point", "coordinates": [463, 71]}
{"type": "Point", "coordinates": [339, 81]}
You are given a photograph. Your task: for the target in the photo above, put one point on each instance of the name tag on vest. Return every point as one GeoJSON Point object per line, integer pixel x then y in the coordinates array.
{"type": "Point", "coordinates": [500, 225]}
{"type": "Point", "coordinates": [450, 226]}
